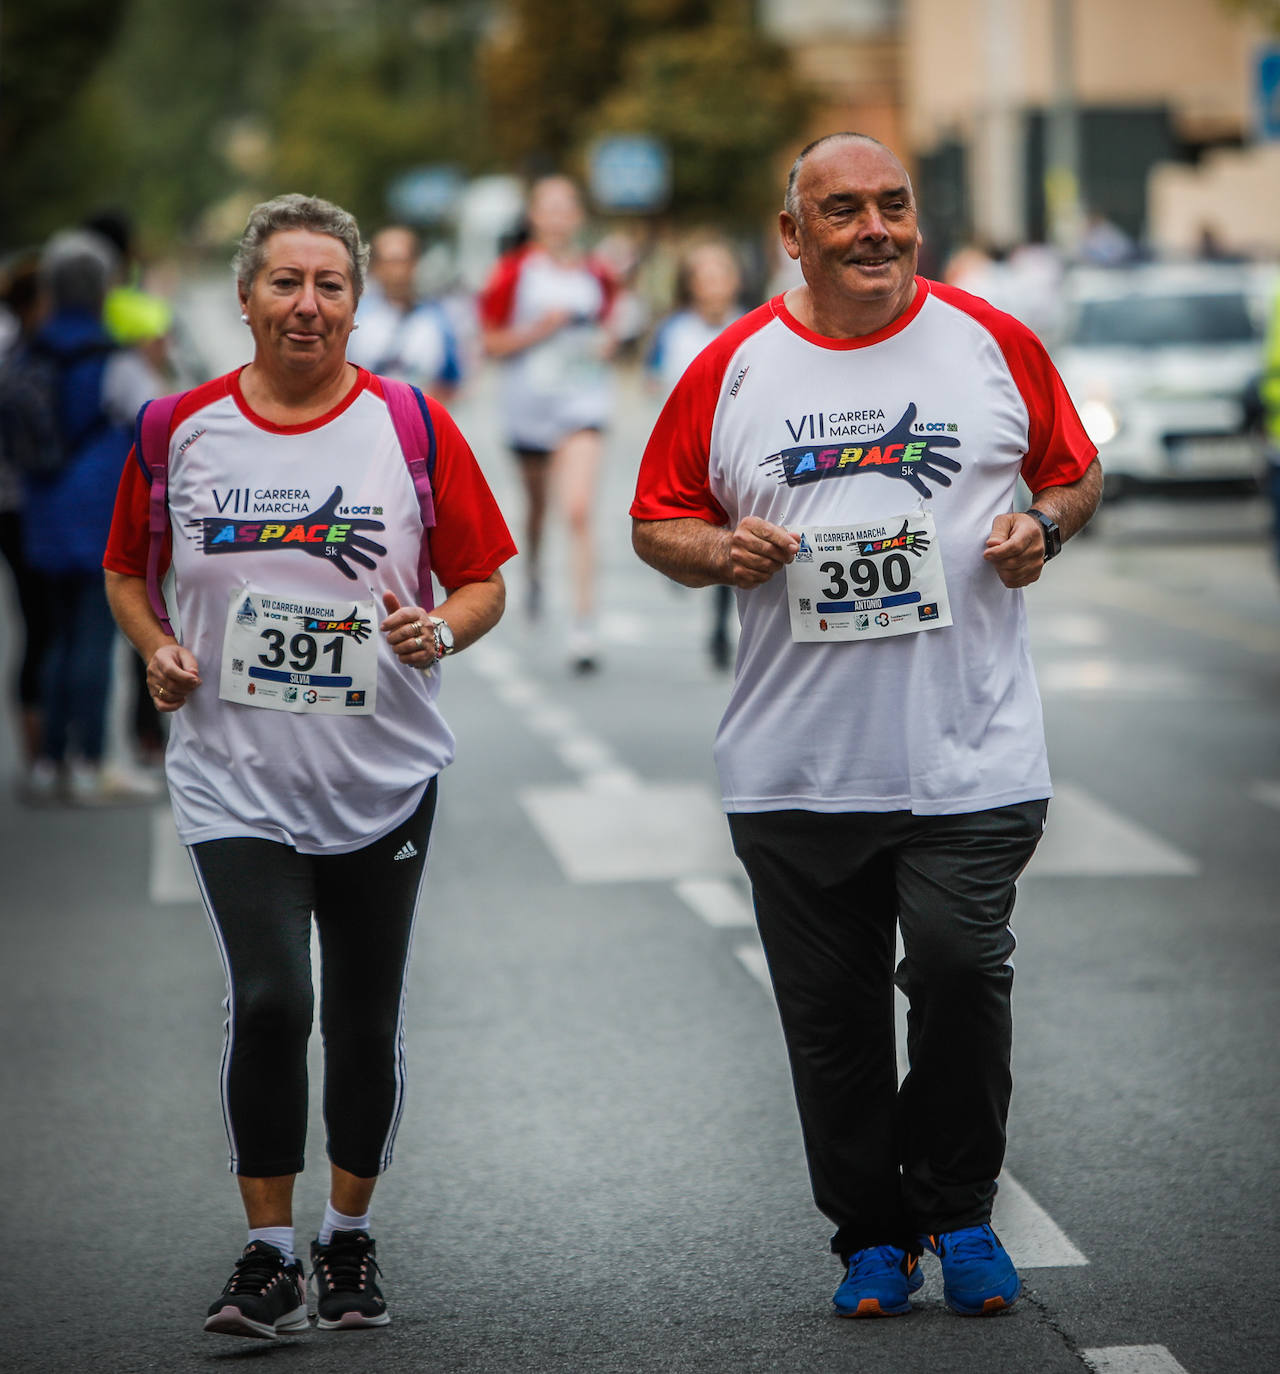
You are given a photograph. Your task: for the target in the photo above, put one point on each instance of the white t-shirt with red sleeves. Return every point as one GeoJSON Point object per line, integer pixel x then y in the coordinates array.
{"type": "Point", "coordinates": [256, 507]}
{"type": "Point", "coordinates": [561, 384]}
{"type": "Point", "coordinates": [941, 411]}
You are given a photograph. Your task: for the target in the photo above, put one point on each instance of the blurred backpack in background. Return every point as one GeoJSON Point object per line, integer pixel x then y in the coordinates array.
{"type": "Point", "coordinates": [33, 436]}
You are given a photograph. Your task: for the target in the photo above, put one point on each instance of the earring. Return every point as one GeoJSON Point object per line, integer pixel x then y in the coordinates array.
{"type": "Point", "coordinates": [244, 319]}
{"type": "Point", "coordinates": [354, 327]}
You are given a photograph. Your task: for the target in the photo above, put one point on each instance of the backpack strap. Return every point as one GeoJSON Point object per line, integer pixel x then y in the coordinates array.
{"type": "Point", "coordinates": [151, 448]}
{"type": "Point", "coordinates": [417, 435]}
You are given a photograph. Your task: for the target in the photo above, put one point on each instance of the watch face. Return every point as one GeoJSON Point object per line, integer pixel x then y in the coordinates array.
{"type": "Point", "coordinates": [444, 636]}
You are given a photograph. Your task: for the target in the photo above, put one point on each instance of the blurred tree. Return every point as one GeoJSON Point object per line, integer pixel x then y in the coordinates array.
{"type": "Point", "coordinates": [1268, 11]}
{"type": "Point", "coordinates": [696, 73]}
{"type": "Point", "coordinates": [48, 53]}
{"type": "Point", "coordinates": [195, 110]}
{"type": "Point", "coordinates": [725, 102]}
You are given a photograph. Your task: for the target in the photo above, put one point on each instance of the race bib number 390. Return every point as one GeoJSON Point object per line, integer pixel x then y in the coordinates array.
{"type": "Point", "coordinates": [867, 582]}
{"type": "Point", "coordinates": [293, 654]}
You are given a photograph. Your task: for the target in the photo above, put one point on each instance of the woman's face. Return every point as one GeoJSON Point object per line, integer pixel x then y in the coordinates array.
{"type": "Point", "coordinates": [302, 303]}
{"type": "Point", "coordinates": [555, 212]}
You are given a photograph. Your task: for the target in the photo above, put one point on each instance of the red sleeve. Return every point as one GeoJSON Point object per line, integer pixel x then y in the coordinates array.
{"type": "Point", "coordinates": [470, 540]}
{"type": "Point", "coordinates": [610, 288]}
{"type": "Point", "coordinates": [497, 300]}
{"type": "Point", "coordinates": [1058, 449]}
{"type": "Point", "coordinates": [673, 483]}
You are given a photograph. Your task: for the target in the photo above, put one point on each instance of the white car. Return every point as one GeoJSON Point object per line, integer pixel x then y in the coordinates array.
{"type": "Point", "coordinates": [1159, 359]}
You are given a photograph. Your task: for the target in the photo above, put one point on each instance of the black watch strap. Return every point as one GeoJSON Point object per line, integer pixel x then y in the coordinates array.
{"type": "Point", "coordinates": [1052, 534]}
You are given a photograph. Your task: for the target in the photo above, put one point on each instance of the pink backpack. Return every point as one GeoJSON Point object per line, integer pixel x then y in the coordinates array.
{"type": "Point", "coordinates": [409, 415]}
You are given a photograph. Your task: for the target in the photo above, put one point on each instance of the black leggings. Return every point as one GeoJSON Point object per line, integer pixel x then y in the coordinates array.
{"type": "Point", "coordinates": [889, 1162]}
{"type": "Point", "coordinates": [261, 897]}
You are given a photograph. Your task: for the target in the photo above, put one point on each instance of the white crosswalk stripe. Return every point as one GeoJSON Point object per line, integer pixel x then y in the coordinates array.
{"type": "Point", "coordinates": [1132, 1359]}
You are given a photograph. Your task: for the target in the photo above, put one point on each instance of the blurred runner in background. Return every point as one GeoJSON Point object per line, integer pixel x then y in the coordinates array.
{"type": "Point", "coordinates": [707, 286]}
{"type": "Point", "coordinates": [545, 314]}
{"type": "Point", "coordinates": [401, 334]}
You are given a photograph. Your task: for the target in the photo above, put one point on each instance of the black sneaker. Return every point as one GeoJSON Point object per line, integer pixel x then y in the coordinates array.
{"type": "Point", "coordinates": [346, 1293]}
{"type": "Point", "coordinates": [264, 1297]}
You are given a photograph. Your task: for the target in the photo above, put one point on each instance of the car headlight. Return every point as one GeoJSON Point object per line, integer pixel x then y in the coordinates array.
{"type": "Point", "coordinates": [1100, 421]}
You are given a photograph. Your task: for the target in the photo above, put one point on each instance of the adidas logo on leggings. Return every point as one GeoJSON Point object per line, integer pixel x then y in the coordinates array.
{"type": "Point", "coordinates": [406, 851]}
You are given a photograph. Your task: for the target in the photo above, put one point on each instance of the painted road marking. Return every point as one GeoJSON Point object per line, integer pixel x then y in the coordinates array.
{"type": "Point", "coordinates": [718, 901]}
{"type": "Point", "coordinates": [1111, 677]}
{"type": "Point", "coordinates": [1084, 838]}
{"type": "Point", "coordinates": [658, 831]}
{"type": "Point", "coordinates": [170, 878]}
{"type": "Point", "coordinates": [1080, 630]}
{"type": "Point", "coordinates": [1132, 1359]}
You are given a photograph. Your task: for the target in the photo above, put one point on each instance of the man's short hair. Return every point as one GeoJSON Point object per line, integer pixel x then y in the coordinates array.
{"type": "Point", "coordinates": [791, 201]}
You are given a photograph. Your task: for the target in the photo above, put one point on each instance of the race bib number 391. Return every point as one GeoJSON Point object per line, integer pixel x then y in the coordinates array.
{"type": "Point", "coordinates": [867, 582]}
{"type": "Point", "coordinates": [292, 654]}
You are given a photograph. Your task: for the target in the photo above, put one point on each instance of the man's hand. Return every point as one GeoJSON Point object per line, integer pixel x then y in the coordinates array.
{"type": "Point", "coordinates": [1015, 548]}
{"type": "Point", "coordinates": [757, 550]}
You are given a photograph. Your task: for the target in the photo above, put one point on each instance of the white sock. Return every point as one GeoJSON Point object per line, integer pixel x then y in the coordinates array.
{"type": "Point", "coordinates": [279, 1236]}
{"type": "Point", "coordinates": [339, 1221]}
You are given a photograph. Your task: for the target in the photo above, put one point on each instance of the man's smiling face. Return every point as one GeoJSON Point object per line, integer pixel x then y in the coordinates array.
{"type": "Point", "coordinates": [854, 228]}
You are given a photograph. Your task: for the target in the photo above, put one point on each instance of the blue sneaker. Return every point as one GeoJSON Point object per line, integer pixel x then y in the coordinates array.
{"type": "Point", "coordinates": [978, 1277]}
{"type": "Point", "coordinates": [879, 1283]}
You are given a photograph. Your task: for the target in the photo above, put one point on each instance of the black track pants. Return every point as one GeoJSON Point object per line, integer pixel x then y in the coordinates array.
{"type": "Point", "coordinates": [261, 898]}
{"type": "Point", "coordinates": [890, 1163]}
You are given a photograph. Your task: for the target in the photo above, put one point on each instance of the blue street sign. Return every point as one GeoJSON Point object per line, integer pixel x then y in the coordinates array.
{"type": "Point", "coordinates": [1267, 92]}
{"type": "Point", "coordinates": [629, 172]}
{"type": "Point", "coordinates": [423, 195]}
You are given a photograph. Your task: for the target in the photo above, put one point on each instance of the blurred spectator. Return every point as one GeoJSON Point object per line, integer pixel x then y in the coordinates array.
{"type": "Point", "coordinates": [402, 334]}
{"type": "Point", "coordinates": [22, 306]}
{"type": "Point", "coordinates": [708, 288]}
{"type": "Point", "coordinates": [138, 319]}
{"type": "Point", "coordinates": [1103, 243]}
{"type": "Point", "coordinates": [133, 317]}
{"type": "Point", "coordinates": [67, 516]}
{"type": "Point", "coordinates": [546, 314]}
{"type": "Point", "coordinates": [1025, 281]}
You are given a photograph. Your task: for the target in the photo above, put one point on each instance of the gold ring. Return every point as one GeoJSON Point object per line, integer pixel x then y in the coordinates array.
{"type": "Point", "coordinates": [416, 627]}
{"type": "Point", "coordinates": [162, 692]}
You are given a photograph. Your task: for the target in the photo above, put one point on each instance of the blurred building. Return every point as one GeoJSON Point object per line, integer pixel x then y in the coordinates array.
{"type": "Point", "coordinates": [851, 53]}
{"type": "Point", "coordinates": [1150, 103]}
{"type": "Point", "coordinates": [1020, 118]}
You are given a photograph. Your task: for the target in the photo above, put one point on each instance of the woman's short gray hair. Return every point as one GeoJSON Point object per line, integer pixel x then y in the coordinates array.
{"type": "Point", "coordinates": [296, 211]}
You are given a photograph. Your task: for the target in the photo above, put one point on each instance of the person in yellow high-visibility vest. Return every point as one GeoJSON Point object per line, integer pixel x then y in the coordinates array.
{"type": "Point", "coordinates": [1270, 393]}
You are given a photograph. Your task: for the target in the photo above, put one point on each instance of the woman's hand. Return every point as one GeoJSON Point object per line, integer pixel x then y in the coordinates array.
{"type": "Point", "coordinates": [172, 675]}
{"type": "Point", "coordinates": [410, 632]}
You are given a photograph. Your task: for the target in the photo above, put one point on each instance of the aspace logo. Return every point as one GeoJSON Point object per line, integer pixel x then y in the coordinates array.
{"type": "Point", "coordinates": [900, 452]}
{"type": "Point", "coordinates": [319, 533]}
{"type": "Point", "coordinates": [352, 625]}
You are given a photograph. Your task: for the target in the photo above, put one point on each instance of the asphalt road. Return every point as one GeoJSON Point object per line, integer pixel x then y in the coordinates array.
{"type": "Point", "coordinates": [599, 1167]}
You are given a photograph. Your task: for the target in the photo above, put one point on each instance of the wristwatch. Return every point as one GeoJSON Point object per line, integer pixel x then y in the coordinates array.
{"type": "Point", "coordinates": [1052, 534]}
{"type": "Point", "coordinates": [444, 635]}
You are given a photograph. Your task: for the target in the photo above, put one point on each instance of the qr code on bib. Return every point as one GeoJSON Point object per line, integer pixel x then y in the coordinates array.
{"type": "Point", "coordinates": [805, 605]}
{"type": "Point", "coordinates": [237, 665]}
